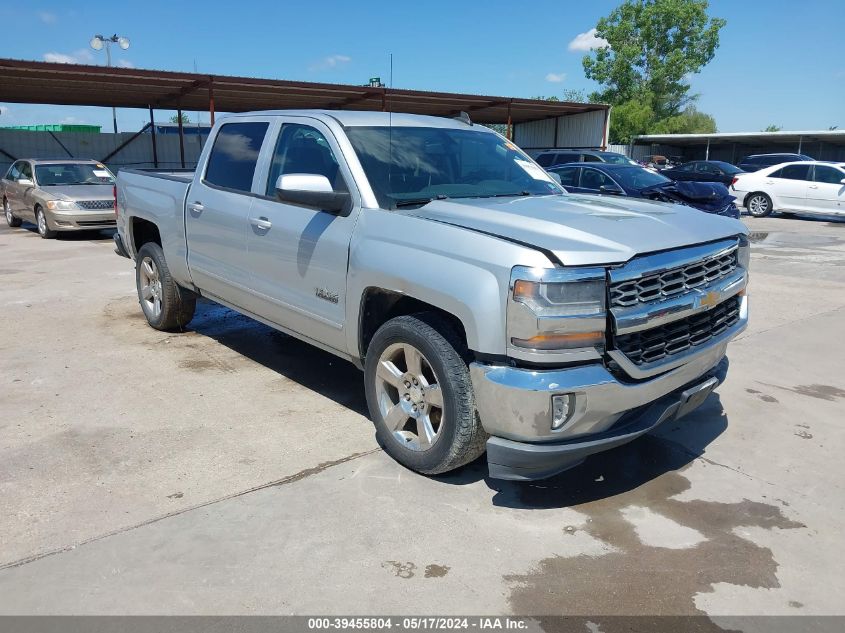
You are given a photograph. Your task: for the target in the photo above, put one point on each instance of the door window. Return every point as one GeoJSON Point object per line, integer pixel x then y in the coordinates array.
{"type": "Point", "coordinates": [544, 160]}
{"type": "Point", "coordinates": [25, 170]}
{"type": "Point", "coordinates": [14, 172]}
{"type": "Point", "coordinates": [302, 149]}
{"type": "Point", "coordinates": [568, 176]}
{"type": "Point", "coordinates": [567, 158]}
{"type": "Point", "coordinates": [594, 179]}
{"type": "Point", "coordinates": [233, 157]}
{"type": "Point", "coordinates": [688, 167]}
{"type": "Point", "coordinates": [794, 172]}
{"type": "Point", "coordinates": [826, 174]}
{"type": "Point", "coordinates": [591, 158]}
{"type": "Point", "coordinates": [704, 168]}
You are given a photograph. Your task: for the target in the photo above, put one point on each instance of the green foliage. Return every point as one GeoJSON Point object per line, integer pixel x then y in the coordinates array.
{"type": "Point", "coordinates": [653, 47]}
{"type": "Point", "coordinates": [185, 119]}
{"type": "Point", "coordinates": [690, 121]}
{"type": "Point", "coordinates": [772, 128]}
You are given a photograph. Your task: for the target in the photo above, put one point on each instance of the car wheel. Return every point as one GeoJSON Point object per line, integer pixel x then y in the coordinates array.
{"type": "Point", "coordinates": [420, 395]}
{"type": "Point", "coordinates": [759, 205]}
{"type": "Point", "coordinates": [166, 305]}
{"type": "Point", "coordinates": [41, 222]}
{"type": "Point", "coordinates": [11, 220]}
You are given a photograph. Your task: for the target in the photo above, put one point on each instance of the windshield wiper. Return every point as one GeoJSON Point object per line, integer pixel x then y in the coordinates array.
{"type": "Point", "coordinates": [417, 201]}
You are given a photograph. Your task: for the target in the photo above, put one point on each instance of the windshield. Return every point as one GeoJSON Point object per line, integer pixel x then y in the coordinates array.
{"type": "Point", "coordinates": [638, 178]}
{"type": "Point", "coordinates": [73, 174]}
{"type": "Point", "coordinates": [413, 165]}
{"type": "Point", "coordinates": [616, 159]}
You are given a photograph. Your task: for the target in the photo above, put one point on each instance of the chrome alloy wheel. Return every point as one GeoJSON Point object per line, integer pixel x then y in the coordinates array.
{"type": "Point", "coordinates": [7, 209]}
{"type": "Point", "coordinates": [42, 222]}
{"type": "Point", "coordinates": [758, 205]}
{"type": "Point", "coordinates": [151, 291]}
{"type": "Point", "coordinates": [409, 397]}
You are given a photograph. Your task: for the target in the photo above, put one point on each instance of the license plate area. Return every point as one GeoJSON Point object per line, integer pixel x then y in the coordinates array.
{"type": "Point", "coordinates": [694, 397]}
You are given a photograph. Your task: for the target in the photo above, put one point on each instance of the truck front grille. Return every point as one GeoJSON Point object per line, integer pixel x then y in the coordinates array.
{"type": "Point", "coordinates": [96, 204]}
{"type": "Point", "coordinates": [657, 343]}
{"type": "Point", "coordinates": [653, 287]}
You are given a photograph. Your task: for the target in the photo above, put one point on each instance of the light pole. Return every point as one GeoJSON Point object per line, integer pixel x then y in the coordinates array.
{"type": "Point", "coordinates": [97, 43]}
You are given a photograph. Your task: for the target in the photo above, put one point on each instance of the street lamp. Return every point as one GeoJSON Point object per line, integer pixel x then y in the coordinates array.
{"type": "Point", "coordinates": [97, 43]}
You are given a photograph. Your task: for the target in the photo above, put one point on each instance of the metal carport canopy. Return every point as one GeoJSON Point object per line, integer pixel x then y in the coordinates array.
{"type": "Point", "coordinates": [84, 85]}
{"type": "Point", "coordinates": [836, 137]}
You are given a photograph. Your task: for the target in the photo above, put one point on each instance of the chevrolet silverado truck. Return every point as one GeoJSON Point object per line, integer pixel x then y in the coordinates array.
{"type": "Point", "coordinates": [488, 309]}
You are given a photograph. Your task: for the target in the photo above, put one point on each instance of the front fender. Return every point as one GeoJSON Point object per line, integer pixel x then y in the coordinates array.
{"type": "Point", "coordinates": [460, 271]}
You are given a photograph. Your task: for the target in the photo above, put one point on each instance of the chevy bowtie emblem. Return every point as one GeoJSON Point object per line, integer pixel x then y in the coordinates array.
{"type": "Point", "coordinates": [710, 299]}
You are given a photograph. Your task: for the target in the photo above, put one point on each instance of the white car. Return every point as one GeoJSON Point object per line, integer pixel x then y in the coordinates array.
{"type": "Point", "coordinates": [796, 187]}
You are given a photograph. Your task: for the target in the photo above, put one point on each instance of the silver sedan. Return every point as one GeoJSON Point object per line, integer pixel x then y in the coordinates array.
{"type": "Point", "coordinates": [59, 195]}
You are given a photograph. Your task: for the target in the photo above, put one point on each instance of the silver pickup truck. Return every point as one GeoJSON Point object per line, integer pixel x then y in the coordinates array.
{"type": "Point", "coordinates": [488, 308]}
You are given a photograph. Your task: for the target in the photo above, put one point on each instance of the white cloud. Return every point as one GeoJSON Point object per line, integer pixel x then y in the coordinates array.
{"type": "Point", "coordinates": [124, 63]}
{"type": "Point", "coordinates": [72, 120]}
{"type": "Point", "coordinates": [82, 56]}
{"type": "Point", "coordinates": [48, 18]}
{"type": "Point", "coordinates": [332, 61]}
{"type": "Point", "coordinates": [587, 41]}
{"type": "Point", "coordinates": [555, 78]}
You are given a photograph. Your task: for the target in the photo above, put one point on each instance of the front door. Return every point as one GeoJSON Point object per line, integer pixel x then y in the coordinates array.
{"type": "Point", "coordinates": [298, 255]}
{"type": "Point", "coordinates": [218, 207]}
{"type": "Point", "coordinates": [826, 194]}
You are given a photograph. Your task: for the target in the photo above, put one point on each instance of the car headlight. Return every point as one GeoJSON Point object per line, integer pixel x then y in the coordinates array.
{"type": "Point", "coordinates": [557, 309]}
{"type": "Point", "coordinates": [61, 205]}
{"type": "Point", "coordinates": [743, 254]}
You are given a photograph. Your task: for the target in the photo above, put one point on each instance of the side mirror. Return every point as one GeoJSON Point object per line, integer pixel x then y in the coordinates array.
{"type": "Point", "coordinates": [312, 190]}
{"type": "Point", "coordinates": [555, 177]}
{"type": "Point", "coordinates": [611, 191]}
{"type": "Point", "coordinates": [26, 182]}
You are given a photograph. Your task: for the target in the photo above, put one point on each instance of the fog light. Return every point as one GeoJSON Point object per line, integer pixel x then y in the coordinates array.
{"type": "Point", "coordinates": [562, 408]}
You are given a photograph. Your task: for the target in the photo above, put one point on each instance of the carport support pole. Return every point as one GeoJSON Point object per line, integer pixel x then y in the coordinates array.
{"type": "Point", "coordinates": [510, 128]}
{"type": "Point", "coordinates": [211, 99]}
{"type": "Point", "coordinates": [707, 151]}
{"type": "Point", "coordinates": [181, 137]}
{"type": "Point", "coordinates": [800, 142]}
{"type": "Point", "coordinates": [153, 137]}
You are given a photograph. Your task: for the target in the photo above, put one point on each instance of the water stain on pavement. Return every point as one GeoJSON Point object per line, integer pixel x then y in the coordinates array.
{"type": "Point", "coordinates": [436, 571]}
{"type": "Point", "coordinates": [635, 579]}
{"type": "Point", "coordinates": [822, 392]}
{"type": "Point", "coordinates": [763, 396]}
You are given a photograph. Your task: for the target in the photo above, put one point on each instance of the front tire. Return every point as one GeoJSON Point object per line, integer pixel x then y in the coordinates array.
{"type": "Point", "coordinates": [420, 395]}
{"type": "Point", "coordinates": [166, 305]}
{"type": "Point", "coordinates": [759, 204]}
{"type": "Point", "coordinates": [11, 220]}
{"type": "Point", "coordinates": [41, 222]}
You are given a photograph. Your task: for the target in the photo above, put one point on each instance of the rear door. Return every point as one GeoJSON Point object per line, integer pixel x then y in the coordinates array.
{"type": "Point", "coordinates": [298, 255]}
{"type": "Point", "coordinates": [789, 185]}
{"type": "Point", "coordinates": [218, 206]}
{"type": "Point", "coordinates": [826, 193]}
{"type": "Point", "coordinates": [11, 188]}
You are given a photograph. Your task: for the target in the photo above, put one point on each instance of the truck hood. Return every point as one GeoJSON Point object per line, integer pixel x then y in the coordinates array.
{"type": "Point", "coordinates": [78, 192]}
{"type": "Point", "coordinates": [582, 229]}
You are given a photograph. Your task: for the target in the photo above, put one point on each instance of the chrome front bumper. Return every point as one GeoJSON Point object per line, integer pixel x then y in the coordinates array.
{"type": "Point", "coordinates": [515, 408]}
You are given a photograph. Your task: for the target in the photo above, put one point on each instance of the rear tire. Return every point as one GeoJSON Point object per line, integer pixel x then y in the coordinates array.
{"type": "Point", "coordinates": [420, 395]}
{"type": "Point", "coordinates": [41, 222]}
{"type": "Point", "coordinates": [759, 204]}
{"type": "Point", "coordinates": [166, 305]}
{"type": "Point", "coordinates": [11, 220]}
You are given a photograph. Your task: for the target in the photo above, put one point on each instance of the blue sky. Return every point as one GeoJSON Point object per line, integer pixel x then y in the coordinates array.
{"type": "Point", "coordinates": [779, 63]}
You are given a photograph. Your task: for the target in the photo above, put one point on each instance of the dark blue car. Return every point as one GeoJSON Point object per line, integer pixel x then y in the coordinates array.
{"type": "Point", "coordinates": [636, 182]}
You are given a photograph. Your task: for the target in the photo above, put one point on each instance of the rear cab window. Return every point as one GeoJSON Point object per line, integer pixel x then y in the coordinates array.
{"type": "Point", "coordinates": [234, 155]}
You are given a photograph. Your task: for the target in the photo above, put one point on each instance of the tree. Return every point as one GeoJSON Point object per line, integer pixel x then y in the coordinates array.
{"type": "Point", "coordinates": [185, 119]}
{"type": "Point", "coordinates": [653, 46]}
{"type": "Point", "coordinates": [690, 121]}
{"type": "Point", "coordinates": [772, 128]}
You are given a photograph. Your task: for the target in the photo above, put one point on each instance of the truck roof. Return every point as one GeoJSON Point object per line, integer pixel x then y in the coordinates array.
{"type": "Point", "coordinates": [355, 118]}
{"type": "Point", "coordinates": [53, 161]}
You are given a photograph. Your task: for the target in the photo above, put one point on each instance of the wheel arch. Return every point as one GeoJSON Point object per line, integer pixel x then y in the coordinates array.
{"type": "Point", "coordinates": [142, 231]}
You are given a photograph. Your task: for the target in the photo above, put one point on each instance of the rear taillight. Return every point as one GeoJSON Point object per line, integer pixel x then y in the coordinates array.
{"type": "Point", "coordinates": [733, 181]}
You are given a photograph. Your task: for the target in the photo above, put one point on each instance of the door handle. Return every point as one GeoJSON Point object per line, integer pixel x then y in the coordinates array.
{"type": "Point", "coordinates": [196, 207]}
{"type": "Point", "coordinates": [261, 223]}
{"type": "Point", "coordinates": [814, 186]}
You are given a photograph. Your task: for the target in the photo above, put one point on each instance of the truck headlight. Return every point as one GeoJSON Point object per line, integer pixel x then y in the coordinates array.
{"type": "Point", "coordinates": [743, 253]}
{"type": "Point", "coordinates": [62, 205]}
{"type": "Point", "coordinates": [557, 309]}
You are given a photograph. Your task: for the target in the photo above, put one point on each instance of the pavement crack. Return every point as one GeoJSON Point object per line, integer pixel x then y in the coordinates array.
{"type": "Point", "coordinates": [289, 479]}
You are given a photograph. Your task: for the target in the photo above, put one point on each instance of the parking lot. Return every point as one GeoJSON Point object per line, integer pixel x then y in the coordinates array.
{"type": "Point", "coordinates": [232, 470]}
